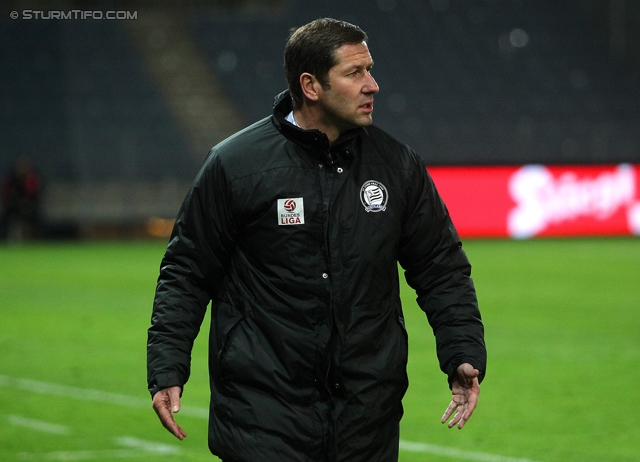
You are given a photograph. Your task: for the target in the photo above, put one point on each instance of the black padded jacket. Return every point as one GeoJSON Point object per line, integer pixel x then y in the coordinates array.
{"type": "Point", "coordinates": [296, 244]}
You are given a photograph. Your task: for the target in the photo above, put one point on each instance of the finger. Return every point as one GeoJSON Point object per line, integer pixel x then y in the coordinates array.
{"type": "Point", "coordinates": [472, 402]}
{"type": "Point", "coordinates": [469, 408]}
{"type": "Point", "coordinates": [163, 407]}
{"type": "Point", "coordinates": [459, 413]}
{"type": "Point", "coordinates": [447, 413]}
{"type": "Point", "coordinates": [466, 375]}
{"type": "Point", "coordinates": [168, 422]}
{"type": "Point", "coordinates": [174, 399]}
{"type": "Point", "coordinates": [463, 420]}
{"type": "Point", "coordinates": [458, 416]}
{"type": "Point", "coordinates": [175, 430]}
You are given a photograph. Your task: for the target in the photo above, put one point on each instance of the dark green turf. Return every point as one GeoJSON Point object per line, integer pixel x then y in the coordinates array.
{"type": "Point", "coordinates": [562, 326]}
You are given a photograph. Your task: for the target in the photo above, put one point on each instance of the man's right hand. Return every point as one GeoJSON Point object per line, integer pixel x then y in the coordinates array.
{"type": "Point", "coordinates": [466, 389]}
{"type": "Point", "coordinates": [166, 402]}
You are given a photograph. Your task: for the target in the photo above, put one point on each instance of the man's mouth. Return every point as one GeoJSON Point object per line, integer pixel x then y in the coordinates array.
{"type": "Point", "coordinates": [368, 107]}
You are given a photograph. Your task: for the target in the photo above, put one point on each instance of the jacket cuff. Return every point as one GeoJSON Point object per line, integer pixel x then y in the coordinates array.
{"type": "Point", "coordinates": [165, 380]}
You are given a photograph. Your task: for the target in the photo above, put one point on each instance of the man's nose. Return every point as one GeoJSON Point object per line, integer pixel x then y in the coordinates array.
{"type": "Point", "coordinates": [371, 86]}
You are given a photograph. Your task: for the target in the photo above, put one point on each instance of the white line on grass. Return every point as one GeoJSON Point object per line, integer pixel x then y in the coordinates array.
{"type": "Point", "coordinates": [89, 394]}
{"type": "Point", "coordinates": [83, 455]}
{"type": "Point", "coordinates": [203, 413]}
{"type": "Point", "coordinates": [139, 448]}
{"type": "Point", "coordinates": [453, 452]}
{"type": "Point", "coordinates": [38, 425]}
{"type": "Point", "coordinates": [147, 446]}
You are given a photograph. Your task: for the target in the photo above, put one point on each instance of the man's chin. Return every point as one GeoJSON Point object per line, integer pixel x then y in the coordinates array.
{"type": "Point", "coordinates": [359, 122]}
{"type": "Point", "coordinates": [364, 121]}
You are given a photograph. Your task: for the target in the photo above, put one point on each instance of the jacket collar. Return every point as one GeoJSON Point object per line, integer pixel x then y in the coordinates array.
{"type": "Point", "coordinates": [313, 141]}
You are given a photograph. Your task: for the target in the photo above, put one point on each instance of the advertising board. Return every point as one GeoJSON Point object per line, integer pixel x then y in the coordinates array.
{"type": "Point", "coordinates": [537, 200]}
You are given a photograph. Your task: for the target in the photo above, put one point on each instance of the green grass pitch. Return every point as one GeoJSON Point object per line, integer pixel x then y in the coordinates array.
{"type": "Point", "coordinates": [562, 320]}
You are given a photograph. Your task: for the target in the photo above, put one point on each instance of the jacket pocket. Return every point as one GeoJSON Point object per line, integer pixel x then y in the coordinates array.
{"type": "Point", "coordinates": [403, 347]}
{"type": "Point", "coordinates": [227, 340]}
{"type": "Point", "coordinates": [402, 325]}
{"type": "Point", "coordinates": [224, 323]}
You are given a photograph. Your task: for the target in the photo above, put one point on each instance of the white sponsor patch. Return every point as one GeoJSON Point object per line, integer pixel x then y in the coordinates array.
{"type": "Point", "coordinates": [291, 211]}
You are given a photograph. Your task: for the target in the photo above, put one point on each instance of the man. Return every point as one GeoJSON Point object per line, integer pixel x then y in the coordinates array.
{"type": "Point", "coordinates": [293, 229]}
{"type": "Point", "coordinates": [21, 196]}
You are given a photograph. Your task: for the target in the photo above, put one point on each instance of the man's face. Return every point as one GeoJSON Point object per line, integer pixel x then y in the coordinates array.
{"type": "Point", "coordinates": [347, 99]}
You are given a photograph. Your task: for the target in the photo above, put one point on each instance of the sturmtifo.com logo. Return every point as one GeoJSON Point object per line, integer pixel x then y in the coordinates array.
{"type": "Point", "coordinates": [373, 196]}
{"type": "Point", "coordinates": [74, 15]}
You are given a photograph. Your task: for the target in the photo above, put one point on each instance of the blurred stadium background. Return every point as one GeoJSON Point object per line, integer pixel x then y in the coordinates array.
{"type": "Point", "coordinates": [117, 115]}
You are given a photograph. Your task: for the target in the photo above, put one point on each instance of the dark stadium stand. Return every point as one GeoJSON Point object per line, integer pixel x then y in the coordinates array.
{"type": "Point", "coordinates": [464, 82]}
{"type": "Point", "coordinates": [78, 100]}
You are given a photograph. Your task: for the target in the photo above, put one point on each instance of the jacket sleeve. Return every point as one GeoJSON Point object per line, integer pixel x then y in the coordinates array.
{"type": "Point", "coordinates": [195, 260]}
{"type": "Point", "coordinates": [438, 270]}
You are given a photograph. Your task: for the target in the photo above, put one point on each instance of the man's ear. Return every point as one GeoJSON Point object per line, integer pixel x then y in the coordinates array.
{"type": "Point", "coordinates": [310, 86]}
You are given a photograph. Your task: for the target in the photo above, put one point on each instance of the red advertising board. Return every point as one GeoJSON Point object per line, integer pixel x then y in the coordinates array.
{"type": "Point", "coordinates": [537, 200]}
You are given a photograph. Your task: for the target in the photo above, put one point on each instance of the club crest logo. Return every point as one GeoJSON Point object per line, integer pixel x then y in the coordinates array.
{"type": "Point", "coordinates": [291, 211]}
{"type": "Point", "coordinates": [373, 196]}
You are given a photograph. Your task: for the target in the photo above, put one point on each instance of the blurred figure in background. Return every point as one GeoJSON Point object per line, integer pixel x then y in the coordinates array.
{"type": "Point", "coordinates": [21, 194]}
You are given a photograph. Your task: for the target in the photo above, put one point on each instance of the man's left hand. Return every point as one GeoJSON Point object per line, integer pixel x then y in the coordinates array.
{"type": "Point", "coordinates": [465, 389]}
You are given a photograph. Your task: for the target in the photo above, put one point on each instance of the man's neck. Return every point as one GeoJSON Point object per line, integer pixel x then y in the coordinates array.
{"type": "Point", "coordinates": [306, 119]}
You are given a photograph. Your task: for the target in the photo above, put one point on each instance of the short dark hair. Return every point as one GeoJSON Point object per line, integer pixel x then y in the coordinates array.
{"type": "Point", "coordinates": [311, 48]}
